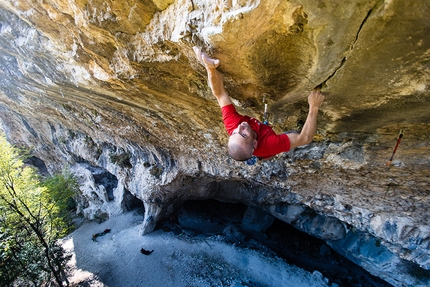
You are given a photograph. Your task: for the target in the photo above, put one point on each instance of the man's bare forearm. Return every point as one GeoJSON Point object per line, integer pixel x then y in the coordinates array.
{"type": "Point", "coordinates": [215, 80]}
{"type": "Point", "coordinates": [310, 127]}
{"type": "Point", "coordinates": [315, 100]}
{"type": "Point", "coordinates": [217, 86]}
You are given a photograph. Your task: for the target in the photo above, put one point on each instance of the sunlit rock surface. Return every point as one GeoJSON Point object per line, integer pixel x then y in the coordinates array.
{"type": "Point", "coordinates": [113, 90]}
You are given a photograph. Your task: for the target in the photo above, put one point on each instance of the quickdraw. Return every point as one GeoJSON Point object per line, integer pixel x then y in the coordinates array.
{"type": "Point", "coordinates": [395, 148]}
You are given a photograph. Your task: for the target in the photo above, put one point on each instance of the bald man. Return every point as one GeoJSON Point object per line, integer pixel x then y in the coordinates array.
{"type": "Point", "coordinates": [248, 136]}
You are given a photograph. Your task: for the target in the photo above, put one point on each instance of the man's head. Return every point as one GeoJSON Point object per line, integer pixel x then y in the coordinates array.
{"type": "Point", "coordinates": [242, 142]}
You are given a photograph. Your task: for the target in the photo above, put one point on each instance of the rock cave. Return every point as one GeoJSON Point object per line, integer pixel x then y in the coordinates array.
{"type": "Point", "coordinates": [114, 91]}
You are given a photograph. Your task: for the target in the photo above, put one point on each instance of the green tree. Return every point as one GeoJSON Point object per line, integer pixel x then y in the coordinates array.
{"type": "Point", "coordinates": [34, 214]}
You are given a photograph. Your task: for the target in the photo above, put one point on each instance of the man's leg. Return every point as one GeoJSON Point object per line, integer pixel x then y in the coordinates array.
{"type": "Point", "coordinates": [216, 82]}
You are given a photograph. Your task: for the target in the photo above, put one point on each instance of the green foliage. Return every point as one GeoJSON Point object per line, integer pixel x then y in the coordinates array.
{"type": "Point", "coordinates": [33, 215]}
{"type": "Point", "coordinates": [59, 197]}
{"type": "Point", "coordinates": [9, 269]}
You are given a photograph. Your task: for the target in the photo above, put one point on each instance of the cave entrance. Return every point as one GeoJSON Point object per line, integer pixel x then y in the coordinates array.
{"type": "Point", "coordinates": [38, 163]}
{"type": "Point", "coordinates": [231, 223]}
{"type": "Point", "coordinates": [209, 217]}
{"type": "Point", "coordinates": [132, 203]}
{"type": "Point", "coordinates": [106, 179]}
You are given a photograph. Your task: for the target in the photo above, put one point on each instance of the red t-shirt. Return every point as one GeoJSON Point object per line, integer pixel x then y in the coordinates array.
{"type": "Point", "coordinates": [269, 143]}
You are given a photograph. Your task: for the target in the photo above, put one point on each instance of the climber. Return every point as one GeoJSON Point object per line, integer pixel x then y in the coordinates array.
{"type": "Point", "coordinates": [249, 137]}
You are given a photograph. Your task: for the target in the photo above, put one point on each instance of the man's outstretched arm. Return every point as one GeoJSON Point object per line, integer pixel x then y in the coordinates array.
{"type": "Point", "coordinates": [216, 82]}
{"type": "Point", "coordinates": [315, 100]}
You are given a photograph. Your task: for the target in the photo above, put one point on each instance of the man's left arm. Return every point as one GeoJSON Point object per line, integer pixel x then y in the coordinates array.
{"type": "Point", "coordinates": [315, 100]}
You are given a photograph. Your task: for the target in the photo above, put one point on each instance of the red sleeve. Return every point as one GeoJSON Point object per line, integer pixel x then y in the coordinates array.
{"type": "Point", "coordinates": [231, 118]}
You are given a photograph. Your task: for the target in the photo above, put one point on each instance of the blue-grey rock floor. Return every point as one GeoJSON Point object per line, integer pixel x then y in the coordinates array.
{"type": "Point", "coordinates": [212, 251]}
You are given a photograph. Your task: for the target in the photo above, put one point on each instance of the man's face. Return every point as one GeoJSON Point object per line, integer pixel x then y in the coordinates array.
{"type": "Point", "coordinates": [242, 134]}
{"type": "Point", "coordinates": [242, 142]}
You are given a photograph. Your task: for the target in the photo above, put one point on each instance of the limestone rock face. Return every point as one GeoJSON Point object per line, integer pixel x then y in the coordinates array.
{"type": "Point", "coordinates": [113, 90]}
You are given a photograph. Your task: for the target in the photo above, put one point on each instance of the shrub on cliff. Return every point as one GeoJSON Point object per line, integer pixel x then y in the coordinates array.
{"type": "Point", "coordinates": [33, 216]}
